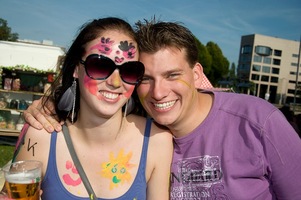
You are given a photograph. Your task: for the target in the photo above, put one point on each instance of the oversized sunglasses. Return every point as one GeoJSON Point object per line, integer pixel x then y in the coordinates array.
{"type": "Point", "coordinates": [99, 67]}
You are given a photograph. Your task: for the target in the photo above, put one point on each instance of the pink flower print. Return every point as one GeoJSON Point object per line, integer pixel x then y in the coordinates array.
{"type": "Point", "coordinates": [105, 46]}
{"type": "Point", "coordinates": [119, 60]}
{"type": "Point", "coordinates": [128, 49]}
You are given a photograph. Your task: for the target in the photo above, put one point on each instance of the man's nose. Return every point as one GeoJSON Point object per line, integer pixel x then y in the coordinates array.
{"type": "Point", "coordinates": [159, 90]}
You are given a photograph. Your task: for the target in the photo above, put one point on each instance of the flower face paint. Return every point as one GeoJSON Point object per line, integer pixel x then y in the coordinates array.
{"type": "Point", "coordinates": [112, 92]}
{"type": "Point", "coordinates": [117, 169]}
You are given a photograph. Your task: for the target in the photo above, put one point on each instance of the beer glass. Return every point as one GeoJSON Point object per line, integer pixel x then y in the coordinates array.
{"type": "Point", "coordinates": [22, 180]}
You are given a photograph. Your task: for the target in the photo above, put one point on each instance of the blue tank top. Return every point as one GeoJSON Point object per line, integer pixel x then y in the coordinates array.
{"type": "Point", "coordinates": [54, 189]}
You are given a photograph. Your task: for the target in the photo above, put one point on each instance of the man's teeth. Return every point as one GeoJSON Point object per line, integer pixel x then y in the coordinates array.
{"type": "Point", "coordinates": [109, 95]}
{"type": "Point", "coordinates": [164, 105]}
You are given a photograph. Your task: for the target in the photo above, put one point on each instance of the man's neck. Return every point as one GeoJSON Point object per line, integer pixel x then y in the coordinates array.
{"type": "Point", "coordinates": [200, 110]}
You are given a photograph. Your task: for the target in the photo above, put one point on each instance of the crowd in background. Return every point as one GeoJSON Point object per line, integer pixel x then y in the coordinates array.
{"type": "Point", "coordinates": [294, 120]}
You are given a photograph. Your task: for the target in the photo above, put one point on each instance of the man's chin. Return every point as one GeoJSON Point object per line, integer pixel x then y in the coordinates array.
{"type": "Point", "coordinates": [165, 121]}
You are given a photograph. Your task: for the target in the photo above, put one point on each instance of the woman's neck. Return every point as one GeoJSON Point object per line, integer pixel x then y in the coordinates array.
{"type": "Point", "coordinates": [99, 129]}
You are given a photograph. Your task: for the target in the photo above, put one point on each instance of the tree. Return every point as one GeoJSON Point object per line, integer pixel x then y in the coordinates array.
{"type": "Point", "coordinates": [220, 64]}
{"type": "Point", "coordinates": [5, 32]}
{"type": "Point", "coordinates": [232, 71]}
{"type": "Point", "coordinates": [204, 57]}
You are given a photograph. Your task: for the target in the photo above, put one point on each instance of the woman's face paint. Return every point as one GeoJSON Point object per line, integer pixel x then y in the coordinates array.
{"type": "Point", "coordinates": [72, 178]}
{"type": "Point", "coordinates": [117, 169]}
{"type": "Point", "coordinates": [129, 91]}
{"type": "Point", "coordinates": [109, 48]}
{"type": "Point", "coordinates": [104, 46]}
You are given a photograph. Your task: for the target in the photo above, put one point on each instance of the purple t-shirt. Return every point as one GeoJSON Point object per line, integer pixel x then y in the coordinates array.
{"type": "Point", "coordinates": [244, 149]}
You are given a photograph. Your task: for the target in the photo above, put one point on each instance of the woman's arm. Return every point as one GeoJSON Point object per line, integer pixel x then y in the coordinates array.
{"type": "Point", "coordinates": [33, 144]}
{"type": "Point", "coordinates": [160, 152]}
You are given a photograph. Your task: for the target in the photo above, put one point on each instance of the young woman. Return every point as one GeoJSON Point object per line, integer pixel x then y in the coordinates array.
{"type": "Point", "coordinates": [123, 157]}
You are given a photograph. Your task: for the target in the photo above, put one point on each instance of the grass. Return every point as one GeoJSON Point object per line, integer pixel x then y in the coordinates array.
{"type": "Point", "coordinates": [6, 154]}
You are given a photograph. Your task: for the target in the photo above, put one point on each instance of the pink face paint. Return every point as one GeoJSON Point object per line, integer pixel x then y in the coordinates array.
{"type": "Point", "coordinates": [104, 47]}
{"type": "Point", "coordinates": [128, 49]}
{"type": "Point", "coordinates": [68, 164]}
{"type": "Point", "coordinates": [91, 85]}
{"type": "Point", "coordinates": [69, 181]}
{"type": "Point", "coordinates": [118, 60]}
{"type": "Point", "coordinates": [67, 177]}
{"type": "Point", "coordinates": [129, 92]}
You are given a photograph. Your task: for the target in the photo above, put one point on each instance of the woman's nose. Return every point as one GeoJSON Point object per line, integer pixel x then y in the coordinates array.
{"type": "Point", "coordinates": [115, 79]}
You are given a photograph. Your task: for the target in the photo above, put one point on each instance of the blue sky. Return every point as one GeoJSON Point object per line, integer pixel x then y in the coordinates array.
{"type": "Point", "coordinates": [220, 21]}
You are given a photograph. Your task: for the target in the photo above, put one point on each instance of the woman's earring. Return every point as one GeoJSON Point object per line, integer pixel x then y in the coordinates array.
{"type": "Point", "coordinates": [67, 101]}
{"type": "Point", "coordinates": [129, 106]}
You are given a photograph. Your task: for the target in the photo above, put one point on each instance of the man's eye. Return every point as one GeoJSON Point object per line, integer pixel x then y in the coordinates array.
{"type": "Point", "coordinates": [174, 75]}
{"type": "Point", "coordinates": [145, 79]}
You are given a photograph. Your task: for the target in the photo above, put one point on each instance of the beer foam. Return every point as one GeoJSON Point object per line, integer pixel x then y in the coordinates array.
{"type": "Point", "coordinates": [23, 178]}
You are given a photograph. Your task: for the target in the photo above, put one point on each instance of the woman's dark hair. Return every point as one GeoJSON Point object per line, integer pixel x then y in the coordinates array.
{"type": "Point", "coordinates": [88, 32]}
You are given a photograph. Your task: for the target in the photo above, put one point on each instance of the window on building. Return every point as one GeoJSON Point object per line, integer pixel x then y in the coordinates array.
{"type": "Point", "coordinates": [290, 81]}
{"type": "Point", "coordinates": [247, 49]}
{"type": "Point", "coordinates": [263, 50]}
{"type": "Point", "coordinates": [275, 70]}
{"type": "Point", "coordinates": [274, 79]}
{"type": "Point", "coordinates": [276, 61]}
{"type": "Point", "coordinates": [244, 67]}
{"type": "Point", "coordinates": [255, 77]}
{"type": "Point", "coordinates": [294, 73]}
{"type": "Point", "coordinates": [295, 55]}
{"type": "Point", "coordinates": [245, 58]}
{"type": "Point", "coordinates": [266, 69]}
{"type": "Point", "coordinates": [277, 52]}
{"type": "Point", "coordinates": [256, 68]}
{"type": "Point", "coordinates": [257, 58]}
{"type": "Point", "coordinates": [267, 60]}
{"type": "Point", "coordinates": [265, 78]}
{"type": "Point", "coordinates": [294, 64]}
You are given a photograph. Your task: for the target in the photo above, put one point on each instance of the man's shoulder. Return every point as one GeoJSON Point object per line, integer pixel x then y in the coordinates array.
{"type": "Point", "coordinates": [244, 105]}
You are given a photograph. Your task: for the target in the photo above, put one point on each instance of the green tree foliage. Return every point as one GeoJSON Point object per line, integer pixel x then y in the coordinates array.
{"type": "Point", "coordinates": [5, 32]}
{"type": "Point", "coordinates": [220, 64]}
{"type": "Point", "coordinates": [215, 65]}
{"type": "Point", "coordinates": [204, 57]}
{"type": "Point", "coordinates": [232, 71]}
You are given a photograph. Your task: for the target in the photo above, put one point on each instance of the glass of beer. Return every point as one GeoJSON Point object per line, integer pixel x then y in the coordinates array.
{"type": "Point", "coordinates": [23, 179]}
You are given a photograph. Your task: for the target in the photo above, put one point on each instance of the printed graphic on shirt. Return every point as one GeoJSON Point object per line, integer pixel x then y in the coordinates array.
{"type": "Point", "coordinates": [197, 178]}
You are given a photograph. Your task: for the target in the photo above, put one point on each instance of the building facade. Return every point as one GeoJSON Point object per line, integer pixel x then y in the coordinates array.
{"type": "Point", "coordinates": [43, 56]}
{"type": "Point", "coordinates": [272, 65]}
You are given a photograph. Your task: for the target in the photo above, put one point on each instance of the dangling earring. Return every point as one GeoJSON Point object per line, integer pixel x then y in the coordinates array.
{"type": "Point", "coordinates": [129, 106]}
{"type": "Point", "coordinates": [66, 99]}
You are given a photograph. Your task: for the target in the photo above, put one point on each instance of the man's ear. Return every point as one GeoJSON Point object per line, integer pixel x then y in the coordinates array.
{"type": "Point", "coordinates": [198, 75]}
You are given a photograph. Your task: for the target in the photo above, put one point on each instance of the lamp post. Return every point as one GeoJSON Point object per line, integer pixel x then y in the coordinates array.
{"type": "Point", "coordinates": [297, 76]}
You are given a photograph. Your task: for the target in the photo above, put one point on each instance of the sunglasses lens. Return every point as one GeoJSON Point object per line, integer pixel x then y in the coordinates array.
{"type": "Point", "coordinates": [98, 68]}
{"type": "Point", "coordinates": [131, 72]}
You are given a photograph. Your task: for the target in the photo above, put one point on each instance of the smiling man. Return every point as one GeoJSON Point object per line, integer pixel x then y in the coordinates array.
{"type": "Point", "coordinates": [226, 145]}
